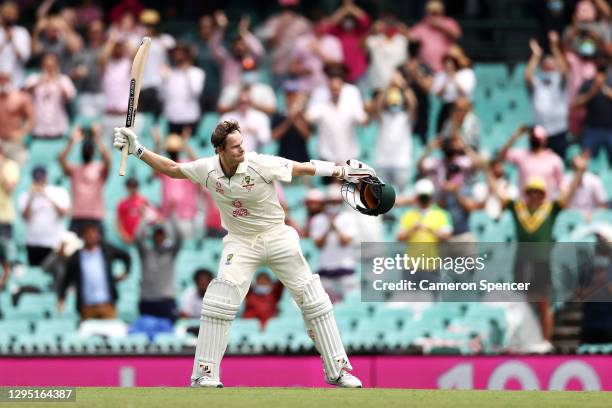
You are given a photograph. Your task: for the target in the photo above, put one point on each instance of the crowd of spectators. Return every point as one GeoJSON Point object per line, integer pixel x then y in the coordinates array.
{"type": "Point", "coordinates": [332, 75]}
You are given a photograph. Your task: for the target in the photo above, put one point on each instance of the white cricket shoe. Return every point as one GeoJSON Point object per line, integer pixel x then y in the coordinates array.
{"type": "Point", "coordinates": [346, 380]}
{"type": "Point", "coordinates": [206, 382]}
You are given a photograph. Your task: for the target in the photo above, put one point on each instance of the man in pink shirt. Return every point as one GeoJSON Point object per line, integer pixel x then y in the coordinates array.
{"type": "Point", "coordinates": [538, 161]}
{"type": "Point", "coordinates": [16, 119]}
{"type": "Point", "coordinates": [87, 179]}
{"type": "Point", "coordinates": [436, 33]}
{"type": "Point", "coordinates": [590, 193]}
{"type": "Point", "coordinates": [350, 24]}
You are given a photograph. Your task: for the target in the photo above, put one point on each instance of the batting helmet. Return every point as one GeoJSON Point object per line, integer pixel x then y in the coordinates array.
{"type": "Point", "coordinates": [369, 196]}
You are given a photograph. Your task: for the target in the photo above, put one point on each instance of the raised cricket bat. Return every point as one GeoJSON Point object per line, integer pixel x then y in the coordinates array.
{"type": "Point", "coordinates": [135, 79]}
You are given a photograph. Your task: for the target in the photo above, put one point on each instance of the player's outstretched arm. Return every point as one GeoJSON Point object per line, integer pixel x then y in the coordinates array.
{"type": "Point", "coordinates": [352, 171]}
{"type": "Point", "coordinates": [157, 162]}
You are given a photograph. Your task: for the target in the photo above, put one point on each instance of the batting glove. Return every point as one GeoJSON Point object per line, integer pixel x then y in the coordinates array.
{"type": "Point", "coordinates": [354, 171]}
{"type": "Point", "coordinates": [125, 136]}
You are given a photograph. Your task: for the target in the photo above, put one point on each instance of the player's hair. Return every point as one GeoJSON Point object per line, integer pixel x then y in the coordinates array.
{"type": "Point", "coordinates": [223, 129]}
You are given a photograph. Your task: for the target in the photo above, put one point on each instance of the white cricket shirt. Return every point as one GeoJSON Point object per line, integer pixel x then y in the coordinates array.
{"type": "Point", "coordinates": [248, 201]}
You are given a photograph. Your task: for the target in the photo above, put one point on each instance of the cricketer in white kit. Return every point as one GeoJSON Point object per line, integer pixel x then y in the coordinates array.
{"type": "Point", "coordinates": [242, 186]}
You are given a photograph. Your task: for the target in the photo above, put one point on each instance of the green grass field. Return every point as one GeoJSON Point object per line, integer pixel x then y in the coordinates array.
{"type": "Point", "coordinates": [317, 397]}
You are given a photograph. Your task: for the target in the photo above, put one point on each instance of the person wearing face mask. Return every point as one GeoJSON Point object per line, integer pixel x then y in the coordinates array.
{"type": "Point", "coordinates": [537, 161]}
{"type": "Point", "coordinates": [549, 92]}
{"type": "Point", "coordinates": [157, 260]}
{"type": "Point", "coordinates": [51, 91]}
{"type": "Point", "coordinates": [395, 108]}
{"type": "Point", "coordinates": [426, 222]}
{"type": "Point", "coordinates": [261, 95]}
{"type": "Point", "coordinates": [262, 299]}
{"type": "Point", "coordinates": [437, 33]}
{"type": "Point", "coordinates": [595, 96]}
{"type": "Point", "coordinates": [16, 119]}
{"type": "Point", "coordinates": [334, 232]}
{"type": "Point", "coordinates": [88, 178]}
{"type": "Point", "coordinates": [15, 43]}
{"type": "Point", "coordinates": [350, 24]}
{"type": "Point", "coordinates": [589, 16]}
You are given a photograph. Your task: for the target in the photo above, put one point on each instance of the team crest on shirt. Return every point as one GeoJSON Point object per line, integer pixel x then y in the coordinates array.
{"type": "Point", "coordinates": [218, 187]}
{"type": "Point", "coordinates": [248, 183]}
{"type": "Point", "coordinates": [228, 260]}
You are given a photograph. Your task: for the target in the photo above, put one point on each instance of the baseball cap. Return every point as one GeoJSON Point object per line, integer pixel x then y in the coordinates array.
{"type": "Point", "coordinates": [424, 187]}
{"type": "Point", "coordinates": [535, 183]}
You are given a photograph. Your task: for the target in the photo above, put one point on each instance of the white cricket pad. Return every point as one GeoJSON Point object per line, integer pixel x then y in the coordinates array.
{"type": "Point", "coordinates": [219, 307]}
{"type": "Point", "coordinates": [318, 313]}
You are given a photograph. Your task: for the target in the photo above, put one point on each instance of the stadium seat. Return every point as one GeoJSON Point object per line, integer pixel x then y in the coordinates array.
{"type": "Point", "coordinates": [75, 343]}
{"type": "Point", "coordinates": [605, 348]}
{"type": "Point", "coordinates": [168, 342]}
{"type": "Point", "coordinates": [134, 343]}
{"type": "Point", "coordinates": [41, 343]}
{"type": "Point", "coordinates": [56, 327]}
{"type": "Point", "coordinates": [5, 342]}
{"type": "Point", "coordinates": [14, 327]}
{"type": "Point", "coordinates": [566, 222]}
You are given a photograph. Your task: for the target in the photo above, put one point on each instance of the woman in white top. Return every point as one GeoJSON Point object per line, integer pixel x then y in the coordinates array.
{"type": "Point", "coordinates": [455, 81]}
{"type": "Point", "coordinates": [395, 109]}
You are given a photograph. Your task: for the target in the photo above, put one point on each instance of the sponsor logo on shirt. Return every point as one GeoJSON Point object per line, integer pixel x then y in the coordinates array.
{"type": "Point", "coordinates": [218, 188]}
{"type": "Point", "coordinates": [228, 260]}
{"type": "Point", "coordinates": [239, 211]}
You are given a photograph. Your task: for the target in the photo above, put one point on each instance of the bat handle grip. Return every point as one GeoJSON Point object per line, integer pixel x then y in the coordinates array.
{"type": "Point", "coordinates": [122, 163]}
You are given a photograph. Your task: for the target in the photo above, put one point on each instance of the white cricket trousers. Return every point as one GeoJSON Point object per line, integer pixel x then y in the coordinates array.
{"type": "Point", "coordinates": [277, 248]}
